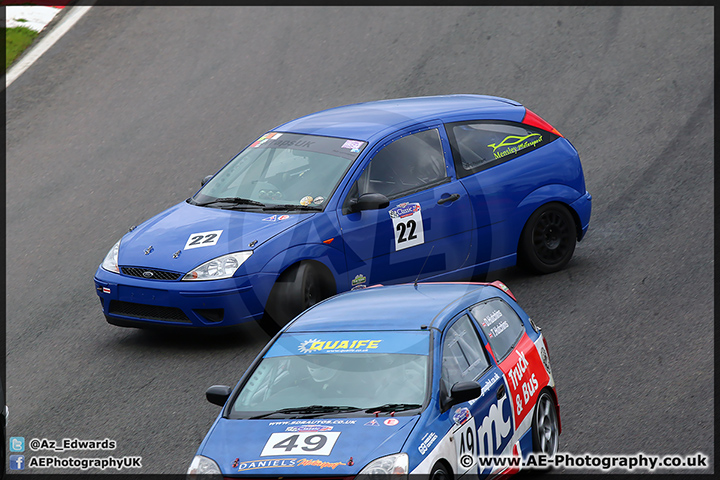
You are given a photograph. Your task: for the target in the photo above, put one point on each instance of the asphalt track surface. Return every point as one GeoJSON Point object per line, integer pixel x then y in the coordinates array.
{"type": "Point", "coordinates": [129, 110]}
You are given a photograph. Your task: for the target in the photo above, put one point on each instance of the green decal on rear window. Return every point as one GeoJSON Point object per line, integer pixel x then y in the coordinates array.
{"type": "Point", "coordinates": [513, 144]}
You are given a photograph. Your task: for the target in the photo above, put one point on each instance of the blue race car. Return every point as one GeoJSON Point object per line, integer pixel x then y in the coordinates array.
{"type": "Point", "coordinates": [446, 187]}
{"type": "Point", "coordinates": [431, 379]}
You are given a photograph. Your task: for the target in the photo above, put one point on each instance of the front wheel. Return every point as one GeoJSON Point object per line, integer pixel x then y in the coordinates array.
{"type": "Point", "coordinates": [439, 472]}
{"type": "Point", "coordinates": [548, 239]}
{"type": "Point", "coordinates": [297, 289]}
{"type": "Point", "coordinates": [545, 429]}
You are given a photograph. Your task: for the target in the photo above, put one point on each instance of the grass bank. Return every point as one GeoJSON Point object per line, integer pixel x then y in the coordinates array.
{"type": "Point", "coordinates": [17, 39]}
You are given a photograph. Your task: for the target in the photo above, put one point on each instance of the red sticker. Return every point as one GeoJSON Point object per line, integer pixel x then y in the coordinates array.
{"type": "Point", "coordinates": [526, 376]}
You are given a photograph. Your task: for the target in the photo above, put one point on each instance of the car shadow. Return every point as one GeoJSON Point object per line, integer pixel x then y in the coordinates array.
{"type": "Point", "coordinates": [248, 334]}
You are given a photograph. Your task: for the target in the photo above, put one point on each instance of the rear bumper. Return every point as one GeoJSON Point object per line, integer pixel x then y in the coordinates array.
{"type": "Point", "coordinates": [583, 208]}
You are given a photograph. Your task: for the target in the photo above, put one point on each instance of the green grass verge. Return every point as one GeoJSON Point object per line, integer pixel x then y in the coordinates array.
{"type": "Point", "coordinates": [17, 39]}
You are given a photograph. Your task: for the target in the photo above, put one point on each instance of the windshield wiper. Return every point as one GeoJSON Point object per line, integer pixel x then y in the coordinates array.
{"type": "Point", "coordinates": [293, 207]}
{"type": "Point", "coordinates": [393, 407]}
{"type": "Point", "coordinates": [310, 410]}
{"type": "Point", "coordinates": [231, 200]}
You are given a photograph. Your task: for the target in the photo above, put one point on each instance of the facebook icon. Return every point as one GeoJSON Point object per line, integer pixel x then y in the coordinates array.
{"type": "Point", "coordinates": [17, 462]}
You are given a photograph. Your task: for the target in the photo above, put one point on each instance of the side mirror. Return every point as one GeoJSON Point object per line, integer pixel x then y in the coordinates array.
{"type": "Point", "coordinates": [369, 201]}
{"type": "Point", "coordinates": [218, 394]}
{"type": "Point", "coordinates": [205, 180]}
{"type": "Point", "coordinates": [462, 392]}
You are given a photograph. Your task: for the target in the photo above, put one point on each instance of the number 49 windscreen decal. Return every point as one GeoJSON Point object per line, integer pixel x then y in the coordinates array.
{"type": "Point", "coordinates": [408, 225]}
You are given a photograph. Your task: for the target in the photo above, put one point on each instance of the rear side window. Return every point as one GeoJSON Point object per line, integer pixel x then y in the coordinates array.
{"type": "Point", "coordinates": [500, 324]}
{"type": "Point", "coordinates": [480, 145]}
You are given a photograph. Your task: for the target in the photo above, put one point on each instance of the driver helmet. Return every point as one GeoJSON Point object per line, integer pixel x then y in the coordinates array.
{"type": "Point", "coordinates": [320, 373]}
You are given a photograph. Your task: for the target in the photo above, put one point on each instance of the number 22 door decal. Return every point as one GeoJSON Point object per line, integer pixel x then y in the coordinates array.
{"type": "Point", "coordinates": [202, 239]}
{"type": "Point", "coordinates": [408, 225]}
{"type": "Point", "coordinates": [300, 443]}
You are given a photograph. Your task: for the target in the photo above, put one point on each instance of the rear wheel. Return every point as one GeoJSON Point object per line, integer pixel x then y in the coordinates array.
{"type": "Point", "coordinates": [545, 428]}
{"type": "Point", "coordinates": [548, 239]}
{"type": "Point", "coordinates": [297, 289]}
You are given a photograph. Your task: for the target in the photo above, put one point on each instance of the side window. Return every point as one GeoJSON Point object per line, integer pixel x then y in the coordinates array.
{"type": "Point", "coordinates": [464, 357]}
{"type": "Point", "coordinates": [408, 164]}
{"type": "Point", "coordinates": [500, 324]}
{"type": "Point", "coordinates": [479, 145]}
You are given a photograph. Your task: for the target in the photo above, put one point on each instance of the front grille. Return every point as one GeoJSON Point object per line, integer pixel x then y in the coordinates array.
{"type": "Point", "coordinates": [152, 312]}
{"type": "Point", "coordinates": [156, 274]}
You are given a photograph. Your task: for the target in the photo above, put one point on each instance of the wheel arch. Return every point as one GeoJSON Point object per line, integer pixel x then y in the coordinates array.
{"type": "Point", "coordinates": [446, 464]}
{"type": "Point", "coordinates": [328, 259]}
{"type": "Point", "coordinates": [553, 394]}
{"type": "Point", "coordinates": [554, 193]}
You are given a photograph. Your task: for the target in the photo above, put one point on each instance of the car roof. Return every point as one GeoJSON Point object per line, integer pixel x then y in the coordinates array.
{"type": "Point", "coordinates": [394, 307]}
{"type": "Point", "coordinates": [373, 120]}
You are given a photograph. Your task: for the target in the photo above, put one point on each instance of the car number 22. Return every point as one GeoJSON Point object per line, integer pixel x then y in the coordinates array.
{"type": "Point", "coordinates": [300, 443]}
{"type": "Point", "coordinates": [202, 239]}
{"type": "Point", "coordinates": [408, 225]}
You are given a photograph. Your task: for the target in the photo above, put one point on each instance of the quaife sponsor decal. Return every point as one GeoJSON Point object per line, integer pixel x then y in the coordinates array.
{"type": "Point", "coordinates": [514, 143]}
{"type": "Point", "coordinates": [338, 346]}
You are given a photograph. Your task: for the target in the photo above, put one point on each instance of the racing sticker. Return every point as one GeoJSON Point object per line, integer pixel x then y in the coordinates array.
{"type": "Point", "coordinates": [353, 145]}
{"type": "Point", "coordinates": [265, 138]}
{"type": "Point", "coordinates": [496, 430]}
{"type": "Point", "coordinates": [408, 225]}
{"type": "Point", "coordinates": [526, 376]}
{"type": "Point", "coordinates": [300, 443]}
{"type": "Point", "coordinates": [427, 441]}
{"type": "Point", "coordinates": [202, 239]}
{"type": "Point", "coordinates": [465, 441]}
{"type": "Point", "coordinates": [514, 143]}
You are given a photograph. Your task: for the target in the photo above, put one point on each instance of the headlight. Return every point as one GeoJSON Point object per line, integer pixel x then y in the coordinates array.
{"type": "Point", "coordinates": [220, 267]}
{"type": "Point", "coordinates": [391, 465]}
{"type": "Point", "coordinates": [111, 259]}
{"type": "Point", "coordinates": [203, 466]}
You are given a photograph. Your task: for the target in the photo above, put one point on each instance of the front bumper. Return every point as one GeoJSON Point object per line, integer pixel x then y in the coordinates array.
{"type": "Point", "coordinates": [135, 302]}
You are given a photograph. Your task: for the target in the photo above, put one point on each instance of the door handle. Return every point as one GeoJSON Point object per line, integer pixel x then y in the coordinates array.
{"type": "Point", "coordinates": [501, 392]}
{"type": "Point", "coordinates": [451, 198]}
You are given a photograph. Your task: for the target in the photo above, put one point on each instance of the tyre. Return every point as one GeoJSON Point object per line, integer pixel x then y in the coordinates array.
{"type": "Point", "coordinates": [547, 241]}
{"type": "Point", "coordinates": [545, 430]}
{"type": "Point", "coordinates": [439, 472]}
{"type": "Point", "coordinates": [297, 289]}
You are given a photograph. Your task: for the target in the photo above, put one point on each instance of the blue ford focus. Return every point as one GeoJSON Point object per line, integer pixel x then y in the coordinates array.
{"type": "Point", "coordinates": [443, 187]}
{"type": "Point", "coordinates": [437, 380]}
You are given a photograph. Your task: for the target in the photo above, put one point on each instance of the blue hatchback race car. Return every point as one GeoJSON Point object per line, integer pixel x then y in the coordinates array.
{"type": "Point", "coordinates": [438, 380]}
{"type": "Point", "coordinates": [445, 187]}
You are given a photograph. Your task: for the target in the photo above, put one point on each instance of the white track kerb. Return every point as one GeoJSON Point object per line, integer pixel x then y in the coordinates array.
{"type": "Point", "coordinates": [46, 42]}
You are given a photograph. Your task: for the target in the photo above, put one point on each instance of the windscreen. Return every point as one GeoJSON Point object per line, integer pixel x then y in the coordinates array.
{"type": "Point", "coordinates": [363, 370]}
{"type": "Point", "coordinates": [282, 169]}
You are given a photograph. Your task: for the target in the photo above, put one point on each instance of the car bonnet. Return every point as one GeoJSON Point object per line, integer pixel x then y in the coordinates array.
{"type": "Point", "coordinates": [185, 236]}
{"type": "Point", "coordinates": [289, 446]}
